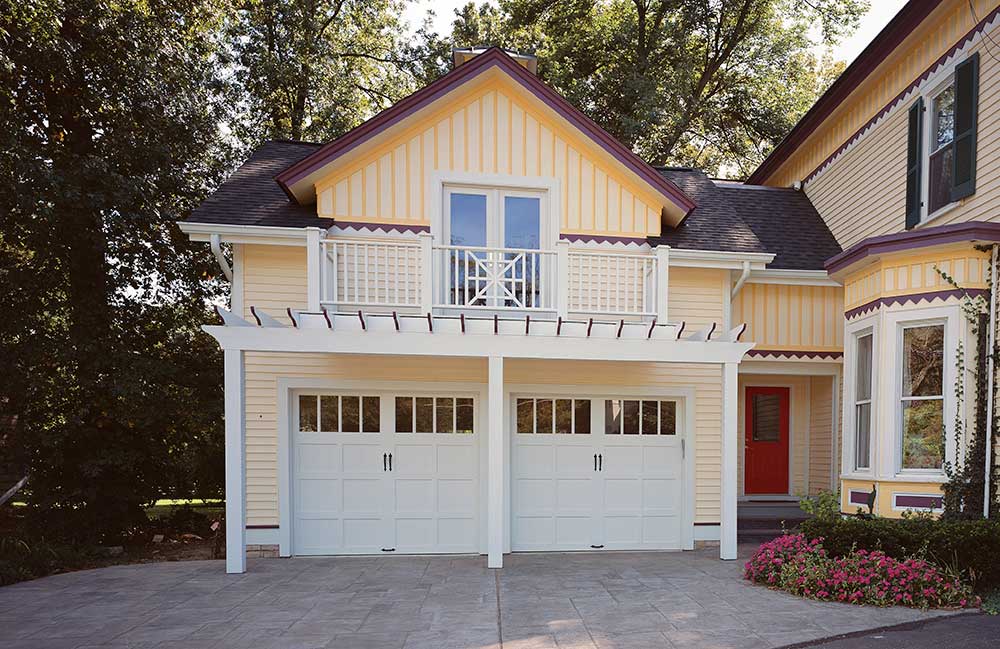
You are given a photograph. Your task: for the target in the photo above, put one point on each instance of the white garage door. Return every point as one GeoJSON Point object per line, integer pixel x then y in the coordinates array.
{"type": "Point", "coordinates": [596, 474]}
{"type": "Point", "coordinates": [378, 472]}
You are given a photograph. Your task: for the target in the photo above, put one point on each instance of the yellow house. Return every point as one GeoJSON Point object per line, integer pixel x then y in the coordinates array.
{"type": "Point", "coordinates": [479, 324]}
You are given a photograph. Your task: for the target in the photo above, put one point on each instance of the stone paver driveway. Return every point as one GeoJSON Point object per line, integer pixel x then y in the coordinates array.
{"type": "Point", "coordinates": [538, 601]}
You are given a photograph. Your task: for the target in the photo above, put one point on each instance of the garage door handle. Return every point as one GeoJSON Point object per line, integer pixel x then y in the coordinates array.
{"type": "Point", "coordinates": [597, 547]}
{"type": "Point", "coordinates": [390, 461]}
{"type": "Point", "coordinates": [600, 462]}
{"type": "Point", "coordinates": [388, 549]}
{"type": "Point", "coordinates": [595, 461]}
{"type": "Point", "coordinates": [384, 465]}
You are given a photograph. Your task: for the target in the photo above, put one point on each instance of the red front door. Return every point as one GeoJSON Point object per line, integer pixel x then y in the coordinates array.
{"type": "Point", "coordinates": [766, 457]}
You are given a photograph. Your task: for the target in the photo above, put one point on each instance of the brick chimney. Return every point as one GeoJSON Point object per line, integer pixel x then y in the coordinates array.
{"type": "Point", "coordinates": [460, 55]}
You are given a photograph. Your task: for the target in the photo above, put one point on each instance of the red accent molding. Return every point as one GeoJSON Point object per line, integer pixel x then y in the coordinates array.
{"type": "Point", "coordinates": [913, 298]}
{"type": "Point", "coordinates": [493, 57]}
{"type": "Point", "coordinates": [385, 227]}
{"type": "Point", "coordinates": [792, 353]}
{"type": "Point", "coordinates": [262, 527]}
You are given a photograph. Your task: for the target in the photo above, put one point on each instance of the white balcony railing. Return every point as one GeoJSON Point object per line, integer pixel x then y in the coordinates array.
{"type": "Point", "coordinates": [420, 276]}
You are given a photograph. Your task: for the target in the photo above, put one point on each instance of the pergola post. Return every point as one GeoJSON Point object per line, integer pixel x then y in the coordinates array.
{"type": "Point", "coordinates": [497, 463]}
{"type": "Point", "coordinates": [730, 446]}
{"type": "Point", "coordinates": [236, 511]}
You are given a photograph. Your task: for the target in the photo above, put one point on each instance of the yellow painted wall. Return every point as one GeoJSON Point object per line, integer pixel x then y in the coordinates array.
{"type": "Point", "coordinates": [780, 316]}
{"type": "Point", "coordinates": [883, 494]}
{"type": "Point", "coordinates": [821, 455]}
{"type": "Point", "coordinates": [942, 29]}
{"type": "Point", "coordinates": [914, 272]}
{"type": "Point", "coordinates": [491, 129]}
{"type": "Point", "coordinates": [696, 296]}
{"type": "Point", "coordinates": [274, 278]}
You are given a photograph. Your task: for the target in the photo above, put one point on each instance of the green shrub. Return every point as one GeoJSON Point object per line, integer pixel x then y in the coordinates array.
{"type": "Point", "coordinates": [970, 546]}
{"type": "Point", "coordinates": [23, 558]}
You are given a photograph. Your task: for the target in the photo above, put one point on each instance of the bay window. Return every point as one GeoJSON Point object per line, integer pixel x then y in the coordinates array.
{"type": "Point", "coordinates": [922, 436]}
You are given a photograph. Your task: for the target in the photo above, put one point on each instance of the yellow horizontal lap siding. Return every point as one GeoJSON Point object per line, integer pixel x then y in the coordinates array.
{"type": "Point", "coordinates": [921, 49]}
{"type": "Point", "coordinates": [274, 279]}
{"type": "Point", "coordinates": [793, 318]}
{"type": "Point", "coordinates": [821, 458]}
{"type": "Point", "coordinates": [696, 296]}
{"type": "Point", "coordinates": [493, 128]}
{"type": "Point", "coordinates": [884, 491]}
{"type": "Point", "coordinates": [914, 273]}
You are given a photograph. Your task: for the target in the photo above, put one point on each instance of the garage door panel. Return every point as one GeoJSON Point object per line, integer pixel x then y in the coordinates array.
{"type": "Point", "coordinates": [452, 530]}
{"type": "Point", "coordinates": [362, 534]}
{"type": "Point", "coordinates": [413, 496]}
{"type": "Point", "coordinates": [456, 460]}
{"type": "Point", "coordinates": [361, 458]}
{"type": "Point", "coordinates": [661, 494]}
{"type": "Point", "coordinates": [573, 459]}
{"type": "Point", "coordinates": [574, 532]}
{"type": "Point", "coordinates": [361, 496]}
{"type": "Point", "coordinates": [534, 495]}
{"type": "Point", "coordinates": [623, 459]}
{"type": "Point", "coordinates": [661, 531]}
{"type": "Point", "coordinates": [574, 495]}
{"type": "Point", "coordinates": [330, 531]}
{"type": "Point", "coordinates": [535, 460]}
{"type": "Point", "coordinates": [319, 459]}
{"type": "Point", "coordinates": [622, 531]}
{"type": "Point", "coordinates": [534, 532]}
{"type": "Point", "coordinates": [318, 497]}
{"type": "Point", "coordinates": [416, 458]}
{"type": "Point", "coordinates": [455, 496]}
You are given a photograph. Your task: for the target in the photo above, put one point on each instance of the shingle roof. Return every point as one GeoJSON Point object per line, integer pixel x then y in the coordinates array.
{"type": "Point", "coordinates": [747, 218]}
{"type": "Point", "coordinates": [250, 196]}
{"type": "Point", "coordinates": [785, 222]}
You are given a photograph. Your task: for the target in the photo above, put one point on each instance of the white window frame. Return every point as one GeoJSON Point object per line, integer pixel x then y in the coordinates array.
{"type": "Point", "coordinates": [855, 338]}
{"type": "Point", "coordinates": [855, 330]}
{"type": "Point", "coordinates": [932, 89]}
{"type": "Point", "coordinates": [897, 321]}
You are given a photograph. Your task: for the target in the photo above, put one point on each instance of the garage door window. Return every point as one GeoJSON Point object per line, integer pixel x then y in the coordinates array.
{"type": "Point", "coordinates": [435, 415]}
{"type": "Point", "coordinates": [329, 413]}
{"type": "Point", "coordinates": [553, 416]}
{"type": "Point", "coordinates": [635, 417]}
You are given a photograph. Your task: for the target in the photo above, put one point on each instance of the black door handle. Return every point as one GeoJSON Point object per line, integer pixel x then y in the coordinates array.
{"type": "Point", "coordinates": [390, 461]}
{"type": "Point", "coordinates": [595, 461]}
{"type": "Point", "coordinates": [597, 547]}
{"type": "Point", "coordinates": [384, 466]}
{"type": "Point", "coordinates": [600, 462]}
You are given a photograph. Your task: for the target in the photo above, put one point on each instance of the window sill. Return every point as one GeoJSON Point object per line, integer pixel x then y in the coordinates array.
{"type": "Point", "coordinates": [916, 475]}
{"type": "Point", "coordinates": [930, 218]}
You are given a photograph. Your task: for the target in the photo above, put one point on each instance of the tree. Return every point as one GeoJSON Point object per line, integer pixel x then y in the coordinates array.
{"type": "Point", "coordinates": [313, 69]}
{"type": "Point", "coordinates": [111, 113]}
{"type": "Point", "coordinates": [705, 83]}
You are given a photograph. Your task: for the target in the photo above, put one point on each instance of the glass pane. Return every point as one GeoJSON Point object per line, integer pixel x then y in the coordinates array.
{"type": "Point", "coordinates": [612, 417]}
{"type": "Point", "coordinates": [465, 416]}
{"type": "Point", "coordinates": [944, 118]}
{"type": "Point", "coordinates": [404, 414]}
{"type": "Point", "coordinates": [468, 219]}
{"type": "Point", "coordinates": [521, 222]}
{"type": "Point", "coordinates": [863, 435]}
{"type": "Point", "coordinates": [372, 416]}
{"type": "Point", "coordinates": [445, 414]}
{"type": "Point", "coordinates": [923, 434]}
{"type": "Point", "coordinates": [425, 415]}
{"type": "Point", "coordinates": [923, 361]}
{"type": "Point", "coordinates": [582, 416]}
{"type": "Point", "coordinates": [630, 417]}
{"type": "Point", "coordinates": [328, 414]}
{"type": "Point", "coordinates": [863, 378]}
{"type": "Point", "coordinates": [307, 413]}
{"type": "Point", "coordinates": [564, 416]}
{"type": "Point", "coordinates": [668, 417]}
{"type": "Point", "coordinates": [543, 416]}
{"type": "Point", "coordinates": [525, 415]}
{"type": "Point", "coordinates": [650, 410]}
{"type": "Point", "coordinates": [939, 180]}
{"type": "Point", "coordinates": [350, 414]}
{"type": "Point", "coordinates": [766, 418]}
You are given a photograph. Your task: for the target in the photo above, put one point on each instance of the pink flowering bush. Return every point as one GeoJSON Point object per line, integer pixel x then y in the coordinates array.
{"type": "Point", "coordinates": [802, 567]}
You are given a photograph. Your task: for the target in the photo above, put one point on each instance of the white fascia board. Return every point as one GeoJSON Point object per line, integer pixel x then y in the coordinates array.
{"type": "Point", "coordinates": [258, 234]}
{"type": "Point", "coordinates": [792, 277]}
{"type": "Point", "coordinates": [475, 345]}
{"type": "Point", "coordinates": [719, 259]}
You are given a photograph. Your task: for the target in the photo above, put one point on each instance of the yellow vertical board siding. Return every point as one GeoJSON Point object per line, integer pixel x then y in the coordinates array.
{"type": "Point", "coordinates": [799, 426]}
{"type": "Point", "coordinates": [821, 458]}
{"type": "Point", "coordinates": [780, 316]}
{"type": "Point", "coordinates": [494, 131]}
{"type": "Point", "coordinates": [913, 273]}
{"type": "Point", "coordinates": [884, 490]}
{"type": "Point", "coordinates": [921, 49]}
{"type": "Point", "coordinates": [274, 279]}
{"type": "Point", "coordinates": [706, 380]}
{"type": "Point", "coordinates": [696, 296]}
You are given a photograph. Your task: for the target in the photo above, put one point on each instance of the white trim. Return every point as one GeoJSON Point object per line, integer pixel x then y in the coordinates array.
{"type": "Point", "coordinates": [235, 422]}
{"type": "Point", "coordinates": [313, 269]}
{"type": "Point", "coordinates": [264, 536]}
{"type": "Point", "coordinates": [707, 532]}
{"type": "Point", "coordinates": [719, 259]}
{"type": "Point", "coordinates": [730, 460]}
{"type": "Point", "coordinates": [792, 277]}
{"type": "Point", "coordinates": [496, 529]}
{"type": "Point", "coordinates": [835, 429]}
{"type": "Point", "coordinates": [896, 508]}
{"type": "Point", "coordinates": [932, 87]}
{"type": "Point", "coordinates": [259, 234]}
{"type": "Point", "coordinates": [792, 367]}
{"type": "Point", "coordinates": [852, 331]}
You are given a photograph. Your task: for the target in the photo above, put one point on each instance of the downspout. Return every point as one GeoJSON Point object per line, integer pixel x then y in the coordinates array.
{"type": "Point", "coordinates": [742, 280]}
{"type": "Point", "coordinates": [991, 338]}
{"type": "Point", "coordinates": [227, 270]}
{"type": "Point", "coordinates": [728, 324]}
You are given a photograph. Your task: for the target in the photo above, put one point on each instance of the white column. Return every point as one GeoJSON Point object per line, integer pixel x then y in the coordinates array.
{"type": "Point", "coordinates": [426, 271]}
{"type": "Point", "coordinates": [730, 445]}
{"type": "Point", "coordinates": [661, 283]}
{"type": "Point", "coordinates": [236, 511]}
{"type": "Point", "coordinates": [496, 463]}
{"type": "Point", "coordinates": [312, 269]}
{"type": "Point", "coordinates": [562, 278]}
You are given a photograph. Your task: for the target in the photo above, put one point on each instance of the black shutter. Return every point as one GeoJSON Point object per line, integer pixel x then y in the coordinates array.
{"type": "Point", "coordinates": [963, 174]}
{"type": "Point", "coordinates": [914, 157]}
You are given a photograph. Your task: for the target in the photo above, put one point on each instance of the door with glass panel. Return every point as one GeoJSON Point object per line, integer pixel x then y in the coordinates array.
{"type": "Point", "coordinates": [494, 242]}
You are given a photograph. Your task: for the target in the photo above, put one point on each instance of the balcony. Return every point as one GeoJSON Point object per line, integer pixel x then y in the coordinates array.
{"type": "Point", "coordinates": [420, 276]}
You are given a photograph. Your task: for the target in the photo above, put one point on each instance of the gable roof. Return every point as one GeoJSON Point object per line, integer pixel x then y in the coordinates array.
{"type": "Point", "coordinates": [905, 21]}
{"type": "Point", "coordinates": [734, 217]}
{"type": "Point", "coordinates": [293, 179]}
{"type": "Point", "coordinates": [251, 197]}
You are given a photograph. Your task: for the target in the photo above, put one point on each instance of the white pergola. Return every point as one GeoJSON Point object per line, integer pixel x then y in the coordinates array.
{"type": "Point", "coordinates": [494, 338]}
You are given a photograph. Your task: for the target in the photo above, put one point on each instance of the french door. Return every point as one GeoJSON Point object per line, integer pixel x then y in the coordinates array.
{"type": "Point", "coordinates": [494, 241]}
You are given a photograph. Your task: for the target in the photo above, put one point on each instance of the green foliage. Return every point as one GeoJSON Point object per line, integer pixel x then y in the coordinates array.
{"type": "Point", "coordinates": [702, 83]}
{"type": "Point", "coordinates": [969, 546]}
{"type": "Point", "coordinates": [824, 505]}
{"type": "Point", "coordinates": [23, 558]}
